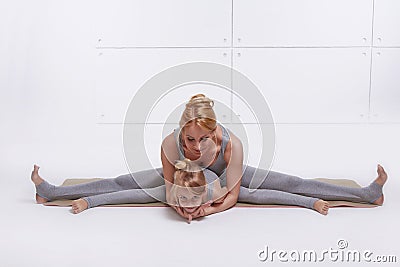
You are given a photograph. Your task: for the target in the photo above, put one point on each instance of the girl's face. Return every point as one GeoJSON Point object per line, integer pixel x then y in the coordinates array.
{"type": "Point", "coordinates": [197, 139]}
{"type": "Point", "coordinates": [188, 200]}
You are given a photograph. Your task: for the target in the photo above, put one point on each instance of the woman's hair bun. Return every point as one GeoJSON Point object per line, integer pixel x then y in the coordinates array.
{"type": "Point", "coordinates": [200, 99]}
{"type": "Point", "coordinates": [197, 96]}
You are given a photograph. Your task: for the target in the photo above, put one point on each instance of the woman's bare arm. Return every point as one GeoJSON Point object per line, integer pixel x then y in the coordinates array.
{"type": "Point", "coordinates": [219, 192]}
{"type": "Point", "coordinates": [233, 155]}
{"type": "Point", "coordinates": [169, 154]}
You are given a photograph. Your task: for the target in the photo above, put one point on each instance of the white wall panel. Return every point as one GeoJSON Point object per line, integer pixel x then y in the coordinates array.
{"type": "Point", "coordinates": [302, 23]}
{"type": "Point", "coordinates": [121, 73]}
{"type": "Point", "coordinates": [385, 86]}
{"type": "Point", "coordinates": [255, 151]}
{"type": "Point", "coordinates": [153, 136]}
{"type": "Point", "coordinates": [387, 23]}
{"type": "Point", "coordinates": [302, 85]}
{"type": "Point", "coordinates": [162, 23]}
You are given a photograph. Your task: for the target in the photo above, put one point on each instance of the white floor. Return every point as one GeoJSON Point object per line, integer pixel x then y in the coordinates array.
{"type": "Point", "coordinates": [36, 235]}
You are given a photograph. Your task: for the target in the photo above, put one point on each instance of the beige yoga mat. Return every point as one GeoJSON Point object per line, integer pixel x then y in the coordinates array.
{"type": "Point", "coordinates": [343, 182]}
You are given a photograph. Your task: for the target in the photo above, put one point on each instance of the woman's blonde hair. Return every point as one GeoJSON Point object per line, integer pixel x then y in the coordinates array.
{"type": "Point", "coordinates": [188, 175]}
{"type": "Point", "coordinates": [199, 110]}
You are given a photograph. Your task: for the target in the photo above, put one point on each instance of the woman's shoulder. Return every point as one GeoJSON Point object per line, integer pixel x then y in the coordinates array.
{"type": "Point", "coordinates": [233, 140]}
{"type": "Point", "coordinates": [169, 147]}
{"type": "Point", "coordinates": [169, 139]}
{"type": "Point", "coordinates": [234, 144]}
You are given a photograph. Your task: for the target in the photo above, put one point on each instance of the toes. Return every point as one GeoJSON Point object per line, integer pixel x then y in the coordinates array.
{"type": "Point", "coordinates": [76, 208]}
{"type": "Point", "coordinates": [381, 169]}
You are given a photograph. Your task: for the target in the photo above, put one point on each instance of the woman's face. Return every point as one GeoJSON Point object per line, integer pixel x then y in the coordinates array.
{"type": "Point", "coordinates": [198, 139]}
{"type": "Point", "coordinates": [188, 200]}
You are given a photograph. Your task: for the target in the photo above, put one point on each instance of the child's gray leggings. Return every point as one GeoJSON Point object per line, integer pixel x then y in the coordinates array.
{"type": "Point", "coordinates": [276, 188]}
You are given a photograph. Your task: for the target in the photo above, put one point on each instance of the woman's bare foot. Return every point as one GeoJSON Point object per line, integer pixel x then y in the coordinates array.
{"type": "Point", "coordinates": [382, 176]}
{"type": "Point", "coordinates": [40, 200]}
{"type": "Point", "coordinates": [381, 180]}
{"type": "Point", "coordinates": [37, 180]}
{"type": "Point", "coordinates": [321, 206]}
{"type": "Point", "coordinates": [79, 205]}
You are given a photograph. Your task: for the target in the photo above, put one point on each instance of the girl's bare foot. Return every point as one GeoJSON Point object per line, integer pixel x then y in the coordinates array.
{"type": "Point", "coordinates": [37, 180]}
{"type": "Point", "coordinates": [381, 180]}
{"type": "Point", "coordinates": [79, 205]}
{"type": "Point", "coordinates": [321, 206]}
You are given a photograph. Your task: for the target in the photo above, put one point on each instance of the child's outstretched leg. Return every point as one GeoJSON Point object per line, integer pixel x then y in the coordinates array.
{"type": "Point", "coordinates": [268, 196]}
{"type": "Point", "coordinates": [136, 196]}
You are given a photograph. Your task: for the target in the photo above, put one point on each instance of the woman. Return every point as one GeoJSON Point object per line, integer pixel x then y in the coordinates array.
{"type": "Point", "coordinates": [201, 139]}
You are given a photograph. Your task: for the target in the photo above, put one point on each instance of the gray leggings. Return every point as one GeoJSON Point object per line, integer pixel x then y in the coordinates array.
{"type": "Point", "coordinates": [276, 188]}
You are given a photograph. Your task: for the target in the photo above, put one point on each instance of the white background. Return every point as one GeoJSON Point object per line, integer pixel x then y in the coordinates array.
{"type": "Point", "coordinates": [68, 69]}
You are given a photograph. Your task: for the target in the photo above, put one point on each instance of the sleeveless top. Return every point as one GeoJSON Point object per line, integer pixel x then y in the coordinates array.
{"type": "Point", "coordinates": [218, 167]}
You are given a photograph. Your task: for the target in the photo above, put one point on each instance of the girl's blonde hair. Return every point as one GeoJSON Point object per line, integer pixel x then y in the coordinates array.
{"type": "Point", "coordinates": [188, 175]}
{"type": "Point", "coordinates": [199, 110]}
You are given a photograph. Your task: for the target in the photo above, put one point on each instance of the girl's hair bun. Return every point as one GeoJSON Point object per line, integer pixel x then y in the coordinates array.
{"type": "Point", "coordinates": [182, 164]}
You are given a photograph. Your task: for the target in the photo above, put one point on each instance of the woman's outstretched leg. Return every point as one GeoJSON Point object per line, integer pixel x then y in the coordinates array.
{"type": "Point", "coordinates": [313, 188]}
{"type": "Point", "coordinates": [47, 192]}
{"type": "Point", "coordinates": [268, 196]}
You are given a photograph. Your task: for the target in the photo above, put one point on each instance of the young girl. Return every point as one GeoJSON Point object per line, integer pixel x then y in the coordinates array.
{"type": "Point", "coordinates": [192, 189]}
